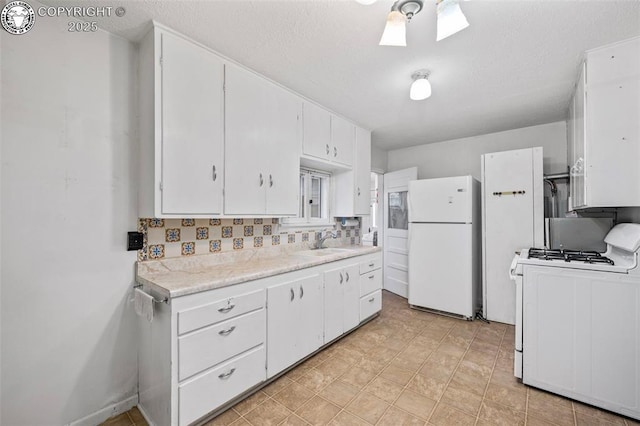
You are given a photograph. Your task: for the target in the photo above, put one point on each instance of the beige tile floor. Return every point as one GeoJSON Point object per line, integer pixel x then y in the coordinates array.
{"type": "Point", "coordinates": [410, 367]}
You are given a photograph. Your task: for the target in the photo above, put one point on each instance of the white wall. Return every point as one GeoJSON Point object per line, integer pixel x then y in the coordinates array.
{"type": "Point", "coordinates": [462, 156]}
{"type": "Point", "coordinates": [68, 197]}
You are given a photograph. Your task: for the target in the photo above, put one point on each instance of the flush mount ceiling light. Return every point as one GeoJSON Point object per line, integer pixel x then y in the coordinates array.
{"type": "Point", "coordinates": [366, 2]}
{"type": "Point", "coordinates": [450, 20]}
{"type": "Point", "coordinates": [420, 88]}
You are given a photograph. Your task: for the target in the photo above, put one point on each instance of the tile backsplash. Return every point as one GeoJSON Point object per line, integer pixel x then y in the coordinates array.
{"type": "Point", "coordinates": [164, 238]}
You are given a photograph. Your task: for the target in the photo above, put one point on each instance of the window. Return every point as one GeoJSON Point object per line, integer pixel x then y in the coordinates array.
{"type": "Point", "coordinates": [313, 208]}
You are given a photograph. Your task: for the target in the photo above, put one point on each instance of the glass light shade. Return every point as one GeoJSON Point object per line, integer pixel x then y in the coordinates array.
{"type": "Point", "coordinates": [420, 89]}
{"type": "Point", "coordinates": [366, 2]}
{"type": "Point", "coordinates": [395, 31]}
{"type": "Point", "coordinates": [450, 19]}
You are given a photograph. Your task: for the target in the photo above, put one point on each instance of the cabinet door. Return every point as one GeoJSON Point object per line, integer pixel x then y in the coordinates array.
{"type": "Point", "coordinates": [613, 144]}
{"type": "Point", "coordinates": [578, 168]}
{"type": "Point", "coordinates": [281, 327]}
{"type": "Point", "coordinates": [282, 155]}
{"type": "Point", "coordinates": [343, 136]}
{"type": "Point", "coordinates": [316, 131]}
{"type": "Point", "coordinates": [351, 297]}
{"type": "Point", "coordinates": [248, 103]}
{"type": "Point", "coordinates": [362, 170]}
{"type": "Point", "coordinates": [333, 305]}
{"type": "Point", "coordinates": [309, 318]}
{"type": "Point", "coordinates": [192, 128]}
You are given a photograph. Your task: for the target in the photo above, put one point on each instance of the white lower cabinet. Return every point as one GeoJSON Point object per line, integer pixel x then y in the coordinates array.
{"type": "Point", "coordinates": [204, 351]}
{"type": "Point", "coordinates": [294, 321]}
{"type": "Point", "coordinates": [341, 288]}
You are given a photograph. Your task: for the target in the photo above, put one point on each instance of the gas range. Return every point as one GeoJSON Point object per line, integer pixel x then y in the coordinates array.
{"type": "Point", "coordinates": [569, 255]}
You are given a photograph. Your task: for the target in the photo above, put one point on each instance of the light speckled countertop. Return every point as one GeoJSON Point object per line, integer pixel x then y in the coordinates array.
{"type": "Point", "coordinates": [181, 276]}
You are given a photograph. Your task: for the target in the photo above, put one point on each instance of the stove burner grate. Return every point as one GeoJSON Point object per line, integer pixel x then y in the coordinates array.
{"type": "Point", "coordinates": [569, 255]}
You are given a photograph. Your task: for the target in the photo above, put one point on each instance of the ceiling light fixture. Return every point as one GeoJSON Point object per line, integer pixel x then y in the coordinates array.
{"type": "Point", "coordinates": [395, 31]}
{"type": "Point", "coordinates": [366, 2]}
{"type": "Point", "coordinates": [420, 88]}
{"type": "Point", "coordinates": [450, 20]}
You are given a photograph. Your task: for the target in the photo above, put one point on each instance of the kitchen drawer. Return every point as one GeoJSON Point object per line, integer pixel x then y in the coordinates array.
{"type": "Point", "coordinates": [370, 263]}
{"type": "Point", "coordinates": [205, 393]}
{"type": "Point", "coordinates": [370, 304]}
{"type": "Point", "coordinates": [370, 282]}
{"type": "Point", "coordinates": [212, 345]}
{"type": "Point", "coordinates": [221, 310]}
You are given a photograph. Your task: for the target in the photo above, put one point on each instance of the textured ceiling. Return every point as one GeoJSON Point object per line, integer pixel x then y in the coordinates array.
{"type": "Point", "coordinates": [513, 67]}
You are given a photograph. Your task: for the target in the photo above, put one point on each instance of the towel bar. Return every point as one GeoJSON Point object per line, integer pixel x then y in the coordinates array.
{"type": "Point", "coordinates": [165, 300]}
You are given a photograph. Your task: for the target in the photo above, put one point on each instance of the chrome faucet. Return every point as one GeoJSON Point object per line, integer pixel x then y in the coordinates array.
{"type": "Point", "coordinates": [320, 239]}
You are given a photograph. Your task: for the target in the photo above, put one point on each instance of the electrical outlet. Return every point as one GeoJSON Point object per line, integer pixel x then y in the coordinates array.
{"type": "Point", "coordinates": [134, 241]}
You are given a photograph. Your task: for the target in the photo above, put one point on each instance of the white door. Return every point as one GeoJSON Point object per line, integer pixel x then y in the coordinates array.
{"type": "Point", "coordinates": [363, 172]}
{"type": "Point", "coordinates": [343, 136]}
{"type": "Point", "coordinates": [396, 230]}
{"type": "Point", "coordinates": [316, 131]}
{"type": "Point", "coordinates": [281, 327]}
{"type": "Point", "coordinates": [192, 128]}
{"type": "Point", "coordinates": [309, 315]}
{"type": "Point", "coordinates": [333, 305]}
{"type": "Point", "coordinates": [351, 297]}
{"type": "Point", "coordinates": [441, 267]}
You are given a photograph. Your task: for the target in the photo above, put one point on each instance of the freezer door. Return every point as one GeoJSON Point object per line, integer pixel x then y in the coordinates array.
{"type": "Point", "coordinates": [446, 200]}
{"type": "Point", "coordinates": [441, 267]}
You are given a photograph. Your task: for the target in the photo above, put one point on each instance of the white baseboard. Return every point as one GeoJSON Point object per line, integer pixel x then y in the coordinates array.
{"type": "Point", "coordinates": [110, 411]}
{"type": "Point", "coordinates": [146, 417]}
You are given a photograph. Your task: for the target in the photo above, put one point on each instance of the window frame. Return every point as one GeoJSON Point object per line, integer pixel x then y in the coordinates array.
{"type": "Point", "coordinates": [326, 199]}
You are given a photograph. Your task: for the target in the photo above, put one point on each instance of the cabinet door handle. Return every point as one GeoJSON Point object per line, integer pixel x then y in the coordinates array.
{"type": "Point", "coordinates": [270, 181]}
{"type": "Point", "coordinates": [227, 308]}
{"type": "Point", "coordinates": [358, 191]}
{"type": "Point", "coordinates": [225, 376]}
{"type": "Point", "coordinates": [347, 274]}
{"type": "Point", "coordinates": [335, 151]}
{"type": "Point", "coordinates": [227, 332]}
{"type": "Point", "coordinates": [341, 278]}
{"type": "Point", "coordinates": [215, 174]}
{"type": "Point", "coordinates": [261, 180]}
{"type": "Point", "coordinates": [372, 299]}
{"type": "Point", "coordinates": [327, 149]}
{"type": "Point", "coordinates": [371, 265]}
{"type": "Point", "coordinates": [301, 292]}
{"type": "Point", "coordinates": [293, 295]}
{"type": "Point", "coordinates": [371, 277]}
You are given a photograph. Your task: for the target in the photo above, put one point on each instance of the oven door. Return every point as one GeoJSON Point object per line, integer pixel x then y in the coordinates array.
{"type": "Point", "coordinates": [515, 273]}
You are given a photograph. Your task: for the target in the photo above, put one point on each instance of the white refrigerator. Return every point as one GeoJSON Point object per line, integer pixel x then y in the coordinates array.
{"type": "Point", "coordinates": [444, 245]}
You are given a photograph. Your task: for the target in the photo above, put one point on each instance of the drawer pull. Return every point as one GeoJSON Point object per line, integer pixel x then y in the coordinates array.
{"type": "Point", "coordinates": [227, 332]}
{"type": "Point", "coordinates": [341, 278]}
{"type": "Point", "coordinates": [371, 277]}
{"type": "Point", "coordinates": [301, 292]}
{"type": "Point", "coordinates": [371, 265]}
{"type": "Point", "coordinates": [347, 274]}
{"type": "Point", "coordinates": [372, 299]}
{"type": "Point", "coordinates": [327, 149]}
{"type": "Point", "coordinates": [227, 308]}
{"type": "Point", "coordinates": [225, 376]}
{"type": "Point", "coordinates": [293, 295]}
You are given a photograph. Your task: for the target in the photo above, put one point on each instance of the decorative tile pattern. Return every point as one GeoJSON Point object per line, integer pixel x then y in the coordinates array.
{"type": "Point", "coordinates": [274, 221]}
{"type": "Point", "coordinates": [257, 221]}
{"type": "Point", "coordinates": [156, 223]}
{"type": "Point", "coordinates": [248, 231]}
{"type": "Point", "coordinates": [348, 233]}
{"type": "Point", "coordinates": [357, 232]}
{"type": "Point", "coordinates": [188, 248]}
{"type": "Point", "coordinates": [172, 235]}
{"type": "Point", "coordinates": [156, 251]}
{"type": "Point", "coordinates": [305, 236]}
{"type": "Point", "coordinates": [215, 222]}
{"type": "Point", "coordinates": [238, 221]}
{"type": "Point", "coordinates": [188, 222]}
{"type": "Point", "coordinates": [291, 238]}
{"type": "Point", "coordinates": [275, 240]}
{"type": "Point", "coordinates": [257, 241]}
{"type": "Point", "coordinates": [227, 232]}
{"type": "Point", "coordinates": [266, 230]}
{"type": "Point", "coordinates": [143, 227]}
{"type": "Point", "coordinates": [215, 246]}
{"type": "Point", "coordinates": [202, 233]}
{"type": "Point", "coordinates": [238, 243]}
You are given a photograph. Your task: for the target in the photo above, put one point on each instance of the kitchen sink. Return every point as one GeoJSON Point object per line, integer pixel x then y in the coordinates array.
{"type": "Point", "coordinates": [323, 251]}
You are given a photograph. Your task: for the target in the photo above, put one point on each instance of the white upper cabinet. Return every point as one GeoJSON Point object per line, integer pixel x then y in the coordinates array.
{"type": "Point", "coordinates": [605, 134]}
{"type": "Point", "coordinates": [353, 187]}
{"type": "Point", "coordinates": [181, 100]}
{"type": "Point", "coordinates": [261, 146]}
{"type": "Point", "coordinates": [316, 139]}
{"type": "Point", "coordinates": [343, 135]}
